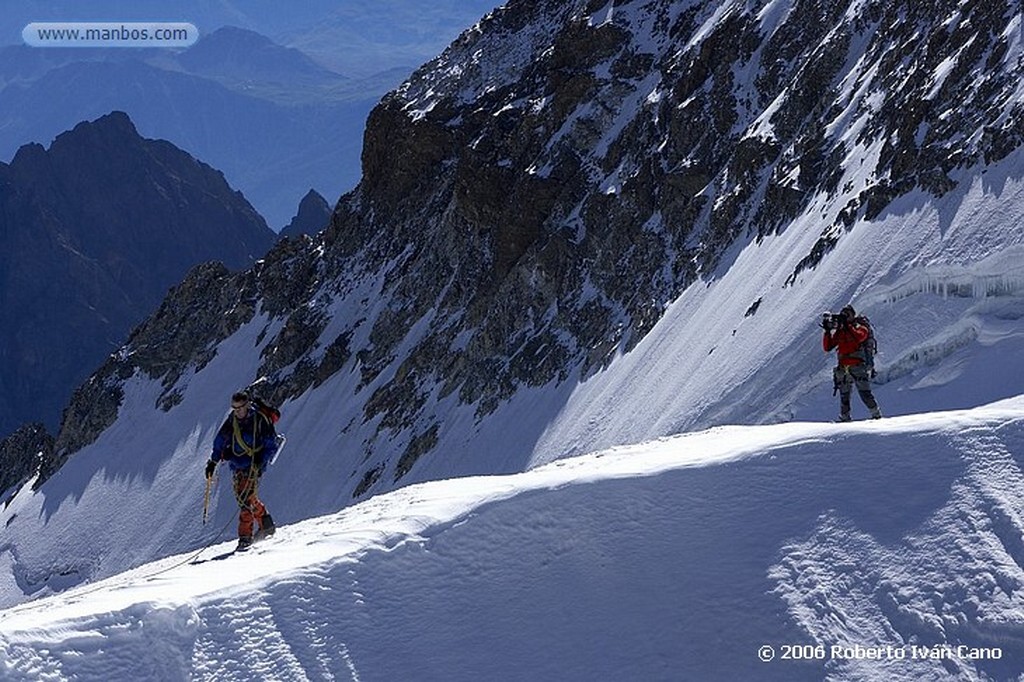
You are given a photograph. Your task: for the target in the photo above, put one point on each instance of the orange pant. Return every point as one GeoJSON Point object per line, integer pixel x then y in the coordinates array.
{"type": "Point", "coordinates": [250, 509]}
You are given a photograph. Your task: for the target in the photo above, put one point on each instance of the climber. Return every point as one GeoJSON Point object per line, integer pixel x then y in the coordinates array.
{"type": "Point", "coordinates": [247, 442]}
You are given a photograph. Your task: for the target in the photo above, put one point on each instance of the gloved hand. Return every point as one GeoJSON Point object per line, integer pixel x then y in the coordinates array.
{"type": "Point", "coordinates": [257, 462]}
{"type": "Point", "coordinates": [210, 467]}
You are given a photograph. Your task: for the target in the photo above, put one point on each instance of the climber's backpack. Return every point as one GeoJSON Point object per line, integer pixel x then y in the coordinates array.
{"type": "Point", "coordinates": [273, 414]}
{"type": "Point", "coordinates": [266, 409]}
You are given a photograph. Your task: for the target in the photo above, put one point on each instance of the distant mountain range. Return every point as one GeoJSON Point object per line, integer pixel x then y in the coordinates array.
{"type": "Point", "coordinates": [364, 37]}
{"type": "Point", "coordinates": [236, 53]}
{"type": "Point", "coordinates": [273, 132]}
{"type": "Point", "coordinates": [357, 37]}
{"type": "Point", "coordinates": [96, 229]}
{"type": "Point", "coordinates": [274, 119]}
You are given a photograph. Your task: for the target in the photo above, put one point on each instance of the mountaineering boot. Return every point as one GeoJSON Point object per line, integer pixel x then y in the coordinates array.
{"type": "Point", "coordinates": [844, 418]}
{"type": "Point", "coordinates": [876, 413]}
{"type": "Point", "coordinates": [267, 527]}
{"type": "Point", "coordinates": [244, 543]}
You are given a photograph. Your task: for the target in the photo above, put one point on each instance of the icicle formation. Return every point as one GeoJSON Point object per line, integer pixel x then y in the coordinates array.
{"type": "Point", "coordinates": [999, 275]}
{"type": "Point", "coordinates": [995, 284]}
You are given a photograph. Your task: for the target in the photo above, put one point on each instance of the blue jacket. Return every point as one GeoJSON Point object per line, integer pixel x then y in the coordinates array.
{"type": "Point", "coordinates": [257, 437]}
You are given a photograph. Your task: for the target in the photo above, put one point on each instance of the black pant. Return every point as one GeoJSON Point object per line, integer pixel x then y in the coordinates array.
{"type": "Point", "coordinates": [848, 376]}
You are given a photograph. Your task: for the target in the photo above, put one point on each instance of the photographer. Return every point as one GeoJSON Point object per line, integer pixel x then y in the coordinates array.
{"type": "Point", "coordinates": [844, 333]}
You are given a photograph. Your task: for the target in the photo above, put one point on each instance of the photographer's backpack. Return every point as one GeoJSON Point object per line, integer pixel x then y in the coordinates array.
{"type": "Point", "coordinates": [869, 347]}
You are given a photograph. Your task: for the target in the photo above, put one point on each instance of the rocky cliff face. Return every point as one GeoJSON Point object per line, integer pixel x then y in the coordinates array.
{"type": "Point", "coordinates": [22, 453]}
{"type": "Point", "coordinates": [534, 197]}
{"type": "Point", "coordinates": [95, 229]}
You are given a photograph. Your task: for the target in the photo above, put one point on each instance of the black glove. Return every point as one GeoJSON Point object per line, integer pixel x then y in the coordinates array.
{"type": "Point", "coordinates": [257, 461]}
{"type": "Point", "coordinates": [210, 467]}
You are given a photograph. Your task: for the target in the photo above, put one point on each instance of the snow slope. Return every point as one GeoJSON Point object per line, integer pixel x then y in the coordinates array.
{"type": "Point", "coordinates": [679, 558]}
{"type": "Point", "coordinates": [940, 278]}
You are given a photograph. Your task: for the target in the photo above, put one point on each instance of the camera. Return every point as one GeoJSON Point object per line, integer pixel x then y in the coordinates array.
{"type": "Point", "coordinates": [832, 321]}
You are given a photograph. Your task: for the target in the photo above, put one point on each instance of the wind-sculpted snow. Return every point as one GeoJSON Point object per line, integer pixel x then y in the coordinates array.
{"type": "Point", "coordinates": [675, 559]}
{"type": "Point", "coordinates": [952, 585]}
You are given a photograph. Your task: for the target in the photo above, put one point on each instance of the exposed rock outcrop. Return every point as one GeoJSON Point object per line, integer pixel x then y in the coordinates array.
{"type": "Point", "coordinates": [21, 454]}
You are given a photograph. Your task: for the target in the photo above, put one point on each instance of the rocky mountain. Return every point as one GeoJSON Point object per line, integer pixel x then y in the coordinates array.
{"type": "Point", "coordinates": [533, 198]}
{"type": "Point", "coordinates": [569, 195]}
{"type": "Point", "coordinates": [95, 230]}
{"type": "Point", "coordinates": [314, 214]}
{"type": "Point", "coordinates": [22, 452]}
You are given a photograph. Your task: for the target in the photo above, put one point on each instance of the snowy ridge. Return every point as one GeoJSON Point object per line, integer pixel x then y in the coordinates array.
{"type": "Point", "coordinates": [953, 583]}
{"type": "Point", "coordinates": [903, 533]}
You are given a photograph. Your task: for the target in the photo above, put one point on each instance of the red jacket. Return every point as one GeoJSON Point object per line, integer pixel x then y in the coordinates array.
{"type": "Point", "coordinates": [847, 339]}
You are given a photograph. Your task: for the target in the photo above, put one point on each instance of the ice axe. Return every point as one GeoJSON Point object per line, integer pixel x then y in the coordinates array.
{"type": "Point", "coordinates": [206, 498]}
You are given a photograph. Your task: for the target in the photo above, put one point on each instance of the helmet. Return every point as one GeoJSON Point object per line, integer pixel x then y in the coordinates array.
{"type": "Point", "coordinates": [848, 312]}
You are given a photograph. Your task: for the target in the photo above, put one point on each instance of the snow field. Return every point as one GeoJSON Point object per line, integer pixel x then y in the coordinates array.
{"type": "Point", "coordinates": [674, 559]}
